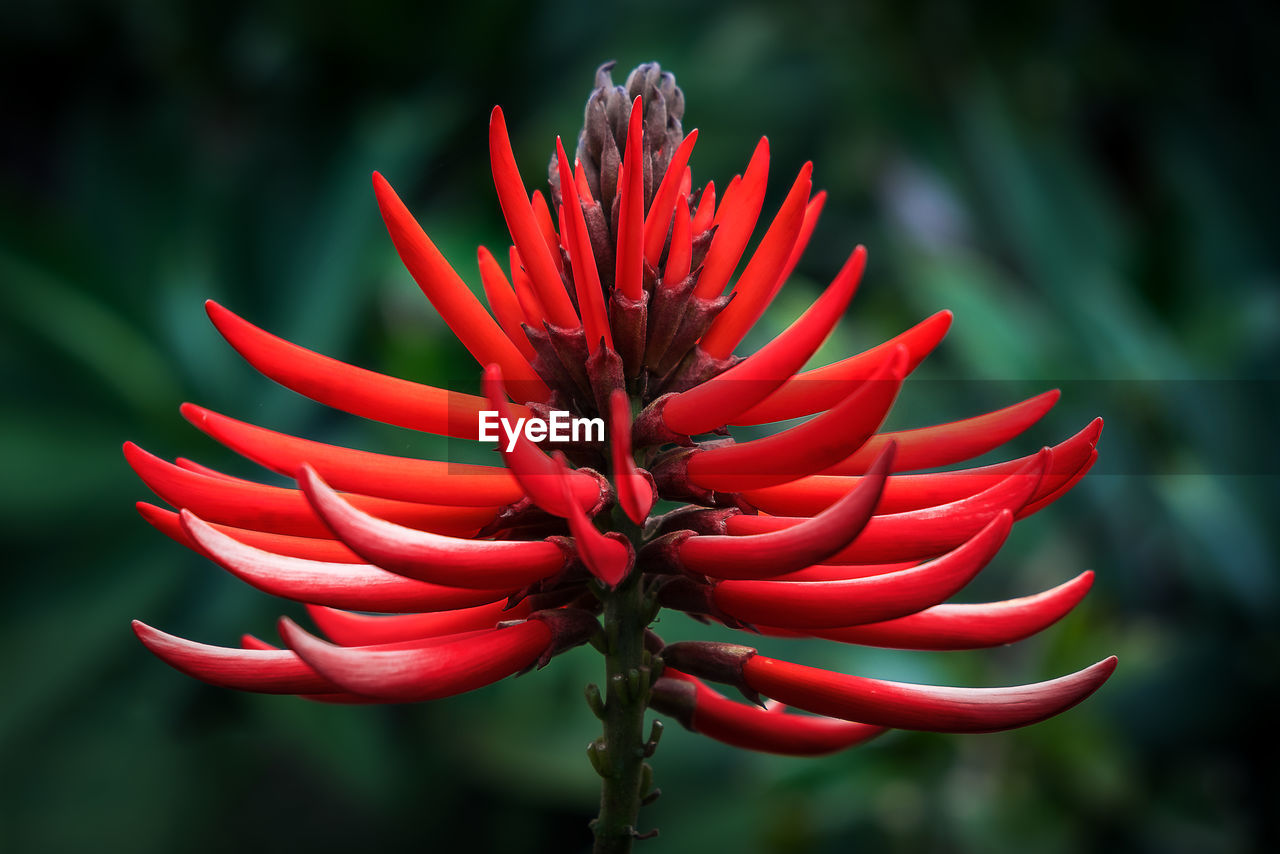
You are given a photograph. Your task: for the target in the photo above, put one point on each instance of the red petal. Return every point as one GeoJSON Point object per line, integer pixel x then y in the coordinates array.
{"type": "Point", "coordinates": [410, 675]}
{"type": "Point", "coordinates": [480, 564]}
{"type": "Point", "coordinates": [920, 533]}
{"type": "Point", "coordinates": [756, 286]}
{"type": "Point", "coordinates": [680, 255]}
{"type": "Point", "coordinates": [459, 308]}
{"type": "Point", "coordinates": [791, 548]}
{"type": "Point", "coordinates": [735, 221]}
{"type": "Point", "coordinates": [308, 548]}
{"type": "Point", "coordinates": [944, 444]}
{"type": "Point", "coordinates": [630, 263]}
{"type": "Point", "coordinates": [586, 278]}
{"type": "Point", "coordinates": [266, 671]}
{"type": "Point", "coordinates": [829, 604]}
{"type": "Point", "coordinates": [608, 556]}
{"type": "Point", "coordinates": [356, 587]}
{"type": "Point", "coordinates": [970, 626]}
{"type": "Point", "coordinates": [769, 731]}
{"type": "Point", "coordinates": [502, 299]}
{"type": "Point", "coordinates": [524, 227]}
{"type": "Point", "coordinates": [903, 492]}
{"type": "Point", "coordinates": [822, 388]}
{"type": "Point", "coordinates": [400, 478]}
{"type": "Point", "coordinates": [542, 213]}
{"type": "Point", "coordinates": [811, 213]}
{"type": "Point", "coordinates": [921, 707]}
{"type": "Point", "coordinates": [636, 493]}
{"type": "Point", "coordinates": [807, 448]}
{"type": "Point", "coordinates": [243, 504]}
{"type": "Point", "coordinates": [705, 214]}
{"type": "Point", "coordinates": [723, 398]}
{"type": "Point", "coordinates": [349, 629]}
{"type": "Point", "coordinates": [346, 387]}
{"type": "Point", "coordinates": [664, 201]}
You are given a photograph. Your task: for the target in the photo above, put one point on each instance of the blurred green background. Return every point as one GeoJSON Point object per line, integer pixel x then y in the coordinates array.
{"type": "Point", "coordinates": [1090, 185]}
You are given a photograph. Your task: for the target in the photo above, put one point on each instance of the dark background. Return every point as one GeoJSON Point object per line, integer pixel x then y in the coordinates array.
{"type": "Point", "coordinates": [1090, 185]}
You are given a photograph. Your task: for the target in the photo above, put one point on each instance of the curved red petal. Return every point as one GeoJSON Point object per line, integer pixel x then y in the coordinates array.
{"type": "Point", "coordinates": [523, 226]}
{"type": "Point", "coordinates": [830, 604]}
{"type": "Point", "coordinates": [636, 493]}
{"type": "Point", "coordinates": [411, 675]}
{"type": "Point", "coordinates": [808, 448]}
{"type": "Point", "coordinates": [349, 629]}
{"type": "Point", "coordinates": [452, 561]}
{"type": "Point", "coordinates": [704, 216]}
{"type": "Point", "coordinates": [399, 478]}
{"type": "Point", "coordinates": [582, 258]}
{"type": "Point", "coordinates": [791, 548]}
{"type": "Point", "coordinates": [680, 255]}
{"type": "Point", "coordinates": [267, 671]}
{"type": "Point", "coordinates": [459, 308]}
{"type": "Point", "coordinates": [357, 587]}
{"type": "Point", "coordinates": [920, 533]}
{"type": "Point", "coordinates": [944, 444]}
{"type": "Point", "coordinates": [822, 388]}
{"type": "Point", "coordinates": [346, 387]}
{"type": "Point", "coordinates": [757, 284]}
{"type": "Point", "coordinates": [921, 707]}
{"type": "Point", "coordinates": [969, 626]}
{"type": "Point", "coordinates": [307, 548]}
{"type": "Point", "coordinates": [244, 504]}
{"type": "Point", "coordinates": [629, 276]}
{"type": "Point", "coordinates": [658, 219]}
{"type": "Point", "coordinates": [723, 398]}
{"type": "Point", "coordinates": [502, 299]}
{"type": "Point", "coordinates": [735, 220]}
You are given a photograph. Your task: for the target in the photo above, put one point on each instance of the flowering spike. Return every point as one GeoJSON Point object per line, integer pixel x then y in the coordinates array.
{"type": "Point", "coordinates": [351, 629]}
{"type": "Point", "coordinates": [459, 308]}
{"type": "Point", "coordinates": [903, 492]}
{"type": "Point", "coordinates": [307, 548]}
{"type": "Point", "coordinates": [756, 286]}
{"type": "Point", "coordinates": [791, 548]}
{"type": "Point", "coordinates": [735, 221]}
{"type": "Point", "coordinates": [341, 585]}
{"type": "Point", "coordinates": [537, 473]}
{"type": "Point", "coordinates": [630, 270]}
{"type": "Point", "coordinates": [921, 707]}
{"type": "Point", "coordinates": [922, 533]}
{"type": "Point", "coordinates": [502, 299]}
{"type": "Point", "coordinates": [829, 604]}
{"type": "Point", "coordinates": [523, 226]}
{"type": "Point", "coordinates": [969, 626]}
{"type": "Point", "coordinates": [723, 398]}
{"type": "Point", "coordinates": [243, 504]}
{"type": "Point", "coordinates": [706, 711]}
{"type": "Point", "coordinates": [401, 478]}
{"type": "Point", "coordinates": [424, 673]}
{"type": "Point", "coordinates": [346, 387]}
{"type": "Point", "coordinates": [267, 671]}
{"type": "Point", "coordinates": [483, 564]}
{"type": "Point", "coordinates": [664, 201]}
{"type": "Point", "coordinates": [636, 491]}
{"type": "Point", "coordinates": [822, 388]}
{"type": "Point", "coordinates": [944, 444]}
{"type": "Point", "coordinates": [586, 278]}
{"type": "Point", "coordinates": [808, 448]}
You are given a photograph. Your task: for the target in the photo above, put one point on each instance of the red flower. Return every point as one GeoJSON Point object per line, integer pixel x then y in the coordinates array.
{"type": "Point", "coordinates": [618, 303]}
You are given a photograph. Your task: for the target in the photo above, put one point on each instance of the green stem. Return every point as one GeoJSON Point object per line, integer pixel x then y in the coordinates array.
{"type": "Point", "coordinates": [620, 752]}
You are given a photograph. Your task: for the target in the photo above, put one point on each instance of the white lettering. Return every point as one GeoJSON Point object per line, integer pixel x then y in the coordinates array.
{"type": "Point", "coordinates": [488, 425]}
{"type": "Point", "coordinates": [559, 427]}
{"type": "Point", "coordinates": [512, 434]}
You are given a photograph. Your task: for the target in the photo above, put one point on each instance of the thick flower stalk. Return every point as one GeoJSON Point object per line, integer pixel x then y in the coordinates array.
{"type": "Point", "coordinates": [425, 579]}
